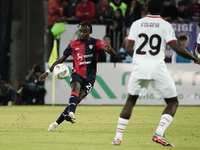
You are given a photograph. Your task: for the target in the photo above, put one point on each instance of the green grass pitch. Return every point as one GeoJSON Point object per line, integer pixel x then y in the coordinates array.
{"type": "Point", "coordinates": [25, 128]}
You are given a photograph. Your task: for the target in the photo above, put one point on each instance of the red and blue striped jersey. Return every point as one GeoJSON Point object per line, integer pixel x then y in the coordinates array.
{"type": "Point", "coordinates": [85, 56]}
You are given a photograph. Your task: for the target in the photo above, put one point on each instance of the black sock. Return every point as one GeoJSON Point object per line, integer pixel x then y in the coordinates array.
{"type": "Point", "coordinates": [73, 101]}
{"type": "Point", "coordinates": [61, 118]}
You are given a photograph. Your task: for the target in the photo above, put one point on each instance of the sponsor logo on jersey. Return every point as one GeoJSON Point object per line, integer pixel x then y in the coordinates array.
{"type": "Point", "coordinates": [77, 48]}
{"type": "Point", "coordinates": [79, 56]}
{"type": "Point", "coordinates": [85, 63]}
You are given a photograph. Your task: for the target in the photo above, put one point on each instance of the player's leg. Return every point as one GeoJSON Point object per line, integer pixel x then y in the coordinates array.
{"type": "Point", "coordinates": [166, 119]}
{"type": "Point", "coordinates": [124, 118]}
{"type": "Point", "coordinates": [70, 116]}
{"type": "Point", "coordinates": [165, 87]}
{"type": "Point", "coordinates": [135, 88]}
{"type": "Point", "coordinates": [75, 86]}
{"type": "Point", "coordinates": [128, 107]}
{"type": "Point", "coordinates": [68, 113]}
{"type": "Point", "coordinates": [82, 95]}
{"type": "Point", "coordinates": [65, 113]}
{"type": "Point", "coordinates": [73, 101]}
{"type": "Point", "coordinates": [86, 87]}
{"type": "Point", "coordinates": [75, 81]}
{"type": "Point", "coordinates": [172, 105]}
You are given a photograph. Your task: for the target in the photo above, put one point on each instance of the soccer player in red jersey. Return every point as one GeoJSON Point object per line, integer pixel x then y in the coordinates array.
{"type": "Point", "coordinates": [85, 56]}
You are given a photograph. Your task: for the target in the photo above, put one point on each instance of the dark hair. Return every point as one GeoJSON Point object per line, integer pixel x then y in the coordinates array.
{"type": "Point", "coordinates": [182, 38]}
{"type": "Point", "coordinates": [181, 3]}
{"type": "Point", "coordinates": [106, 36]}
{"type": "Point", "coordinates": [129, 5]}
{"type": "Point", "coordinates": [118, 9]}
{"type": "Point", "coordinates": [155, 6]}
{"type": "Point", "coordinates": [37, 68]}
{"type": "Point", "coordinates": [85, 23]}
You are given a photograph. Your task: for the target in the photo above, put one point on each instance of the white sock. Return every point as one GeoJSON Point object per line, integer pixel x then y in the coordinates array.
{"type": "Point", "coordinates": [55, 123]}
{"type": "Point", "coordinates": [120, 128]}
{"type": "Point", "coordinates": [165, 120]}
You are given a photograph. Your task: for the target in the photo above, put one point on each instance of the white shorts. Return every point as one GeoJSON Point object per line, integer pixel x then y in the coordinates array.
{"type": "Point", "coordinates": [163, 86]}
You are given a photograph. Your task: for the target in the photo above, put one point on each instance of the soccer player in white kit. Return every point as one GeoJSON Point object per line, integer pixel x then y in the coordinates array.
{"type": "Point", "coordinates": [148, 37]}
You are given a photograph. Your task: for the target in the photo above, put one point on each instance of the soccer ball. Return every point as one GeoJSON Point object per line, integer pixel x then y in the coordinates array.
{"type": "Point", "coordinates": [61, 71]}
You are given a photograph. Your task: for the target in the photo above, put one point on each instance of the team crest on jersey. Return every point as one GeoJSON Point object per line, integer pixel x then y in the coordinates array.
{"type": "Point", "coordinates": [90, 46]}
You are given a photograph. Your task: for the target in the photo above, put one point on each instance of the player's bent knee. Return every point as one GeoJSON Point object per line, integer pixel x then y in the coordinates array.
{"type": "Point", "coordinates": [172, 100]}
{"type": "Point", "coordinates": [76, 87]}
{"type": "Point", "coordinates": [132, 97]}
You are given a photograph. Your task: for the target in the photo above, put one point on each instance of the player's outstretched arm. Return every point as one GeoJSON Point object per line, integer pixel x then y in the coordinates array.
{"type": "Point", "coordinates": [44, 75]}
{"type": "Point", "coordinates": [182, 52]}
{"type": "Point", "coordinates": [109, 50]}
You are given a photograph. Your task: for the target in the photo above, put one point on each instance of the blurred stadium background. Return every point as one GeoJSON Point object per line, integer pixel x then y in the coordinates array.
{"type": "Point", "coordinates": [23, 42]}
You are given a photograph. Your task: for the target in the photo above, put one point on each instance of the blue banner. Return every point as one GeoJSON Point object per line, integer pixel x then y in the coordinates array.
{"type": "Point", "coordinates": [187, 28]}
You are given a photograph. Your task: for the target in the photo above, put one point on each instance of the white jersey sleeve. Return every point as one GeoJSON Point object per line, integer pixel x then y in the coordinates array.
{"type": "Point", "coordinates": [170, 34]}
{"type": "Point", "coordinates": [132, 34]}
{"type": "Point", "coordinates": [198, 39]}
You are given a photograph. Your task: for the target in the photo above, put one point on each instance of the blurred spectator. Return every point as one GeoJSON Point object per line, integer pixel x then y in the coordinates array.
{"type": "Point", "coordinates": [193, 10]}
{"type": "Point", "coordinates": [117, 4]}
{"type": "Point", "coordinates": [95, 1]}
{"type": "Point", "coordinates": [85, 11]}
{"type": "Point", "coordinates": [187, 2]}
{"type": "Point", "coordinates": [144, 9]}
{"type": "Point", "coordinates": [118, 21]}
{"type": "Point", "coordinates": [141, 1]}
{"type": "Point", "coordinates": [133, 12]}
{"type": "Point", "coordinates": [69, 12]}
{"type": "Point", "coordinates": [104, 11]}
{"type": "Point", "coordinates": [177, 58]}
{"type": "Point", "coordinates": [173, 2]}
{"type": "Point", "coordinates": [117, 27]}
{"type": "Point", "coordinates": [103, 56]}
{"type": "Point", "coordinates": [169, 12]}
{"type": "Point", "coordinates": [32, 91]}
{"type": "Point", "coordinates": [55, 11]}
{"type": "Point", "coordinates": [107, 40]}
{"type": "Point", "coordinates": [55, 14]}
{"type": "Point", "coordinates": [181, 11]}
{"type": "Point", "coordinates": [116, 31]}
{"type": "Point", "coordinates": [7, 94]}
{"type": "Point", "coordinates": [123, 56]}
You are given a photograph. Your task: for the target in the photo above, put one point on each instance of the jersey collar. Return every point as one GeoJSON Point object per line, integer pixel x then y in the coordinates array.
{"type": "Point", "coordinates": [85, 41]}
{"type": "Point", "coordinates": [153, 16]}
